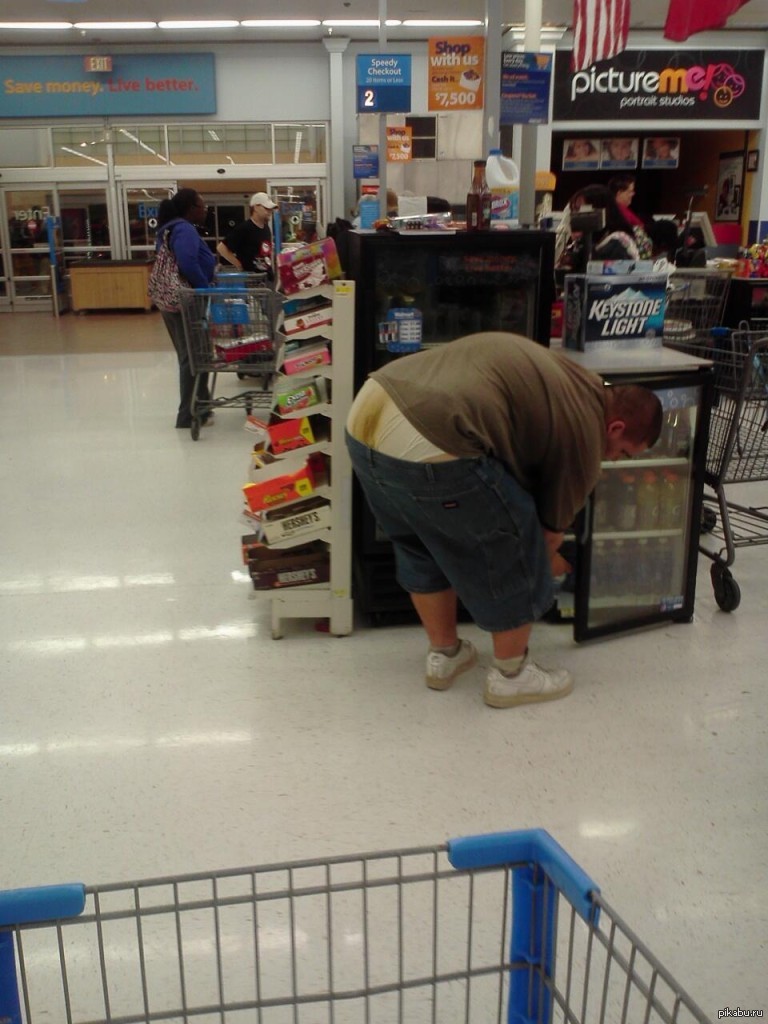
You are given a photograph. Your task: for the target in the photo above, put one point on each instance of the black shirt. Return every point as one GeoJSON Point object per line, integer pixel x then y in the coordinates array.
{"type": "Point", "coordinates": [252, 245]}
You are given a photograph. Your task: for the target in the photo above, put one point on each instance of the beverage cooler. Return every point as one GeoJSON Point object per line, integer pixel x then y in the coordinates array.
{"type": "Point", "coordinates": [637, 539]}
{"type": "Point", "coordinates": [427, 288]}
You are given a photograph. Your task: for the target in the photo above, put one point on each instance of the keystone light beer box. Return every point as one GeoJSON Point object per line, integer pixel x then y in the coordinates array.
{"type": "Point", "coordinates": [614, 311]}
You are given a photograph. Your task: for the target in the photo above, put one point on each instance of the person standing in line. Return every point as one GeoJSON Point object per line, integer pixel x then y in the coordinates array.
{"type": "Point", "coordinates": [249, 246]}
{"type": "Point", "coordinates": [179, 219]}
{"type": "Point", "coordinates": [475, 456]}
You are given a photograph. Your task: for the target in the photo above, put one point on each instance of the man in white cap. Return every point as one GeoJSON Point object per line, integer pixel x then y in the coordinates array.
{"type": "Point", "coordinates": [249, 246]}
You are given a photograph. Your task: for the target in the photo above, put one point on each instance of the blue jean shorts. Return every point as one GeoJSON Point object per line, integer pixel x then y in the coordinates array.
{"type": "Point", "coordinates": [465, 524]}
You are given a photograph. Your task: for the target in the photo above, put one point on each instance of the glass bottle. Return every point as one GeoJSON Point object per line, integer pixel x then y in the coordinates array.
{"type": "Point", "coordinates": [479, 200]}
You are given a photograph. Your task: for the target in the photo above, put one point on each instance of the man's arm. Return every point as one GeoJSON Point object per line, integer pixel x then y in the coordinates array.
{"type": "Point", "coordinates": [554, 542]}
{"type": "Point", "coordinates": [226, 253]}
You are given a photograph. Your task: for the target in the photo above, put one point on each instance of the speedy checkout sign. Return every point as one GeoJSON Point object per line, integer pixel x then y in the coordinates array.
{"type": "Point", "coordinates": [383, 83]}
{"type": "Point", "coordinates": [647, 84]}
{"type": "Point", "coordinates": [456, 73]}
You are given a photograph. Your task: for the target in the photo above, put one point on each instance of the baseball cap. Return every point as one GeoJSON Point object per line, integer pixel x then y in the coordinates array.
{"type": "Point", "coordinates": [262, 199]}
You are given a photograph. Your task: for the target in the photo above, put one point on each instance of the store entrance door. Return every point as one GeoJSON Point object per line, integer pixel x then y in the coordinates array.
{"type": "Point", "coordinates": [25, 264]}
{"type": "Point", "coordinates": [138, 217]}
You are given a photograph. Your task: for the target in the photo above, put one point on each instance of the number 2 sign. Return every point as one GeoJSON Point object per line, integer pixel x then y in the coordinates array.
{"type": "Point", "coordinates": [383, 83]}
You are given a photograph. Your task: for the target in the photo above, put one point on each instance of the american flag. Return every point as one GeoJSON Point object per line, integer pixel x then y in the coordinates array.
{"type": "Point", "coordinates": [685, 17]}
{"type": "Point", "coordinates": [600, 30]}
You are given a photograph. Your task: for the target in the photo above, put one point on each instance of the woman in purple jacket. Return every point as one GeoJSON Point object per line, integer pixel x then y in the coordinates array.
{"type": "Point", "coordinates": [179, 218]}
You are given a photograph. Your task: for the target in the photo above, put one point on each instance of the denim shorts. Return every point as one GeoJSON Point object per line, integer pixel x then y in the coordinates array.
{"type": "Point", "coordinates": [465, 524]}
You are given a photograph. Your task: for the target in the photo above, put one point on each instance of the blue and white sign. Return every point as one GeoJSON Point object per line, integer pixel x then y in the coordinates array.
{"type": "Point", "coordinates": [365, 161]}
{"type": "Point", "coordinates": [147, 83]}
{"type": "Point", "coordinates": [383, 83]}
{"type": "Point", "coordinates": [525, 84]}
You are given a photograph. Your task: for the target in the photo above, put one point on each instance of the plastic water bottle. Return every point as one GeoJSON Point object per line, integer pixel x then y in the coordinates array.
{"type": "Point", "coordinates": [503, 179]}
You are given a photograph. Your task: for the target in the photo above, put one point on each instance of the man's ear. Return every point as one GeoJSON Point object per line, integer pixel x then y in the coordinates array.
{"type": "Point", "coordinates": [616, 429]}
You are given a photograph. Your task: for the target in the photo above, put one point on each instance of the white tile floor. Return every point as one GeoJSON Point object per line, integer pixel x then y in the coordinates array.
{"type": "Point", "coordinates": [151, 726]}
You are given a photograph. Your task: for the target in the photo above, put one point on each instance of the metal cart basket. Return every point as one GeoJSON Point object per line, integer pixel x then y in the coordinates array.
{"type": "Point", "coordinates": [737, 452]}
{"type": "Point", "coordinates": [695, 304]}
{"type": "Point", "coordinates": [230, 329]}
{"type": "Point", "coordinates": [487, 928]}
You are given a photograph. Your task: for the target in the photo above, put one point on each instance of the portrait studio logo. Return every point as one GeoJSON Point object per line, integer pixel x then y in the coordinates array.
{"type": "Point", "coordinates": [671, 87]}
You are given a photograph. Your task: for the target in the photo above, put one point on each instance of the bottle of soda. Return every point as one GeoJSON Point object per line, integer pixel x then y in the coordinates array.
{"type": "Point", "coordinates": [478, 200]}
{"type": "Point", "coordinates": [671, 496]}
{"type": "Point", "coordinates": [648, 501]}
{"type": "Point", "coordinates": [626, 496]}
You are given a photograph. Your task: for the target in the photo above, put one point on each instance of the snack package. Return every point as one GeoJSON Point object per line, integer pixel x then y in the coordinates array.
{"type": "Point", "coordinates": [308, 266]}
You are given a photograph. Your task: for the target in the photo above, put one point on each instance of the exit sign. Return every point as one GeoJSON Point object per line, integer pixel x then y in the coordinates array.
{"type": "Point", "coordinates": [97, 63]}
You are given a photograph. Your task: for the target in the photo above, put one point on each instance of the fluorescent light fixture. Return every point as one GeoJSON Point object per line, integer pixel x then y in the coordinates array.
{"type": "Point", "coordinates": [84, 156]}
{"type": "Point", "coordinates": [429, 23]}
{"type": "Point", "coordinates": [284, 23]}
{"type": "Point", "coordinates": [198, 24]}
{"type": "Point", "coordinates": [214, 135]}
{"type": "Point", "coordinates": [108, 25]}
{"type": "Point", "coordinates": [46, 26]}
{"type": "Point", "coordinates": [359, 22]}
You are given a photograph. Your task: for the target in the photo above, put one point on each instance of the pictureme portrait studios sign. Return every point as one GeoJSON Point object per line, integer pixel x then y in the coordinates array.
{"type": "Point", "coordinates": [695, 85]}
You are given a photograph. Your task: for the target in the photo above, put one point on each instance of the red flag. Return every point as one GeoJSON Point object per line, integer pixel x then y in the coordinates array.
{"type": "Point", "coordinates": [685, 17]}
{"type": "Point", "coordinates": [600, 30]}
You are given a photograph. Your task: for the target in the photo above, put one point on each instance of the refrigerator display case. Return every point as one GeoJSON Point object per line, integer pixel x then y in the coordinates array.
{"type": "Point", "coordinates": [438, 286]}
{"type": "Point", "coordinates": [637, 538]}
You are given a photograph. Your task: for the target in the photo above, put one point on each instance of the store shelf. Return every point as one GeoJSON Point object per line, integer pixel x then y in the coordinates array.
{"type": "Point", "coordinates": [331, 600]}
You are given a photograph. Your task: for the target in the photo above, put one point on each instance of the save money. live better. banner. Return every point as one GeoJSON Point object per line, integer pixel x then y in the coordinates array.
{"type": "Point", "coordinates": [148, 83]}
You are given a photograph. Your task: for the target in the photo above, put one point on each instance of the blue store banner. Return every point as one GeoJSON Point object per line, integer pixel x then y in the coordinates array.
{"type": "Point", "coordinates": [148, 83]}
{"type": "Point", "coordinates": [383, 83]}
{"type": "Point", "coordinates": [525, 82]}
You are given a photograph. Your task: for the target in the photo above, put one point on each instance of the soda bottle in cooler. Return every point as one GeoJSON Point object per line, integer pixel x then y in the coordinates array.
{"type": "Point", "coordinates": [626, 502]}
{"type": "Point", "coordinates": [671, 497]}
{"type": "Point", "coordinates": [648, 501]}
{"type": "Point", "coordinates": [597, 577]}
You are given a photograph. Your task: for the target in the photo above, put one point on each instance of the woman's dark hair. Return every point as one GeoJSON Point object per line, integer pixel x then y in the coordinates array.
{"type": "Point", "coordinates": [165, 211]}
{"type": "Point", "coordinates": [184, 200]}
{"type": "Point", "coordinates": [621, 181]}
{"type": "Point", "coordinates": [664, 236]}
{"type": "Point", "coordinates": [600, 197]}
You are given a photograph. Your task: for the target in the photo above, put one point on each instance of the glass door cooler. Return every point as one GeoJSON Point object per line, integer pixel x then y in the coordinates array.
{"type": "Point", "coordinates": [637, 539]}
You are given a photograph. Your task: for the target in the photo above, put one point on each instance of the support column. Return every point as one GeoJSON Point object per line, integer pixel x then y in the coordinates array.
{"type": "Point", "coordinates": [336, 48]}
{"type": "Point", "coordinates": [492, 110]}
{"type": "Point", "coordinates": [530, 132]}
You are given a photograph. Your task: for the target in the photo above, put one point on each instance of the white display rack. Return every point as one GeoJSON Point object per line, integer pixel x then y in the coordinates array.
{"type": "Point", "coordinates": [331, 600]}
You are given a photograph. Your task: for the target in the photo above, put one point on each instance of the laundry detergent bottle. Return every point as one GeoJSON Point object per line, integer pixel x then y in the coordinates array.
{"type": "Point", "coordinates": [503, 179]}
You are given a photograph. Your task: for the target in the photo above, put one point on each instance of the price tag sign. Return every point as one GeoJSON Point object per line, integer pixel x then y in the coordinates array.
{"type": "Point", "coordinates": [456, 73]}
{"type": "Point", "coordinates": [383, 83]}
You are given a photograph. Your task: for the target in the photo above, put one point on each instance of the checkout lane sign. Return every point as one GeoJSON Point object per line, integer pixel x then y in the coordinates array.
{"type": "Point", "coordinates": [383, 83]}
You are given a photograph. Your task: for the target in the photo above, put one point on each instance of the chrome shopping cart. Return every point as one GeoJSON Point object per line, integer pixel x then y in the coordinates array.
{"type": "Point", "coordinates": [695, 304]}
{"type": "Point", "coordinates": [230, 329]}
{"type": "Point", "coordinates": [737, 452]}
{"type": "Point", "coordinates": [486, 928]}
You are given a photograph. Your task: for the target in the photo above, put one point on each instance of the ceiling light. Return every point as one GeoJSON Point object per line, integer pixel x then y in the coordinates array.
{"type": "Point", "coordinates": [107, 25]}
{"type": "Point", "coordinates": [198, 24]}
{"type": "Point", "coordinates": [285, 23]}
{"type": "Point", "coordinates": [358, 23]}
{"type": "Point", "coordinates": [427, 23]}
{"type": "Point", "coordinates": [84, 156]}
{"type": "Point", "coordinates": [47, 26]}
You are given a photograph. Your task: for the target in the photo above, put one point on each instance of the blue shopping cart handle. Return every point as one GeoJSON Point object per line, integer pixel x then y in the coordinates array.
{"type": "Point", "coordinates": [527, 846]}
{"type": "Point", "coordinates": [43, 903]}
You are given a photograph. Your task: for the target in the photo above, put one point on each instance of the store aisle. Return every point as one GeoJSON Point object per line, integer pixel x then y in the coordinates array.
{"type": "Point", "coordinates": [150, 725]}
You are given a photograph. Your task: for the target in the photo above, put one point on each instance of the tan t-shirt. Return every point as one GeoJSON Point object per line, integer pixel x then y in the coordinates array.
{"type": "Point", "coordinates": [506, 396]}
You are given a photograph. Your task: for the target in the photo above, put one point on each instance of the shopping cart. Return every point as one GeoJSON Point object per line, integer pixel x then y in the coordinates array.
{"type": "Point", "coordinates": [695, 304]}
{"type": "Point", "coordinates": [737, 452]}
{"type": "Point", "coordinates": [487, 928]}
{"type": "Point", "coordinates": [230, 329]}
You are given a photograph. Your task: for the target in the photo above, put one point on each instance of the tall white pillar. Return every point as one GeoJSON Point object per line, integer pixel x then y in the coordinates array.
{"type": "Point", "coordinates": [336, 47]}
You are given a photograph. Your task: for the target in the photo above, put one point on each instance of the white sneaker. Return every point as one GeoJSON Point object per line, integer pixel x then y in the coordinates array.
{"type": "Point", "coordinates": [442, 670]}
{"type": "Point", "coordinates": [531, 684]}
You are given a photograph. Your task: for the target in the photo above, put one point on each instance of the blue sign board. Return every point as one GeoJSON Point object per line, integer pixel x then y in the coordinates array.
{"type": "Point", "coordinates": [383, 83]}
{"type": "Point", "coordinates": [365, 161]}
{"type": "Point", "coordinates": [147, 83]}
{"type": "Point", "coordinates": [525, 83]}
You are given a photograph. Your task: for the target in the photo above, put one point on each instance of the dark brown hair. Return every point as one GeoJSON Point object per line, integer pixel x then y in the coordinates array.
{"type": "Point", "coordinates": [639, 408]}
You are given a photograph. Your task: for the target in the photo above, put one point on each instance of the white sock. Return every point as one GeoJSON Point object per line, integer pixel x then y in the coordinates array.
{"type": "Point", "coordinates": [509, 666]}
{"type": "Point", "coordinates": [449, 652]}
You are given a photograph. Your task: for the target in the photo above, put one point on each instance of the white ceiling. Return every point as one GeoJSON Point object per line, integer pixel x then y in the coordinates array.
{"type": "Point", "coordinates": [646, 14]}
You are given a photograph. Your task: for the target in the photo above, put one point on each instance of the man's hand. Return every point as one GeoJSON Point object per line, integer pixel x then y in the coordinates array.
{"type": "Point", "coordinates": [557, 563]}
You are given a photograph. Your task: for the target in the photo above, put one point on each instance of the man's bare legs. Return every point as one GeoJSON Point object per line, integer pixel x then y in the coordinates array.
{"type": "Point", "coordinates": [438, 617]}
